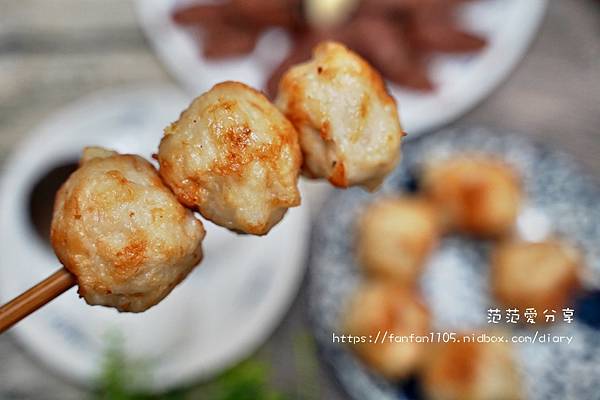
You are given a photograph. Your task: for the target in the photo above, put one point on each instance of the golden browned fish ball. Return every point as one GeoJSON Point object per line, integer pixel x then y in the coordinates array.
{"type": "Point", "coordinates": [471, 371]}
{"type": "Point", "coordinates": [386, 315]}
{"type": "Point", "coordinates": [541, 275]}
{"type": "Point", "coordinates": [233, 156]}
{"type": "Point", "coordinates": [476, 194]}
{"type": "Point", "coordinates": [348, 123]}
{"type": "Point", "coordinates": [122, 233]}
{"type": "Point", "coordinates": [395, 237]}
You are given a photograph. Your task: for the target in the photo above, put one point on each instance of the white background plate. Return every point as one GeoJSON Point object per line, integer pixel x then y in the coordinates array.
{"type": "Point", "coordinates": [220, 314]}
{"type": "Point", "coordinates": [463, 81]}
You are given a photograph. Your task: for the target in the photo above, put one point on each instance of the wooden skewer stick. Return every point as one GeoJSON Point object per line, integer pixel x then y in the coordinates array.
{"type": "Point", "coordinates": [29, 301]}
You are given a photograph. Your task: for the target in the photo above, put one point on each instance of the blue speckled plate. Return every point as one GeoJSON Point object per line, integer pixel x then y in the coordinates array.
{"type": "Point", "coordinates": [561, 199]}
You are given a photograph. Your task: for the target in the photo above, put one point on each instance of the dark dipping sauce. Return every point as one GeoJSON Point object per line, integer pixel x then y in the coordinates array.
{"type": "Point", "coordinates": [41, 198]}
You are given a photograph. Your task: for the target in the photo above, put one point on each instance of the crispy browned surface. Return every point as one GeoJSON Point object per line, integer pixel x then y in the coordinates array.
{"type": "Point", "coordinates": [233, 156]}
{"type": "Point", "coordinates": [476, 194]}
{"type": "Point", "coordinates": [542, 276]}
{"type": "Point", "coordinates": [346, 120]}
{"type": "Point", "coordinates": [470, 371]}
{"type": "Point", "coordinates": [395, 237]}
{"type": "Point", "coordinates": [122, 232]}
{"type": "Point", "coordinates": [378, 307]}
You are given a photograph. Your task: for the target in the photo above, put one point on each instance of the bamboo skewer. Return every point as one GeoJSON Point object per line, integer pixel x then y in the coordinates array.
{"type": "Point", "coordinates": [36, 297]}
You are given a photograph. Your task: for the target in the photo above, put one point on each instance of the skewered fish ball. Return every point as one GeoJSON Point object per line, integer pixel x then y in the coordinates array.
{"type": "Point", "coordinates": [234, 157]}
{"type": "Point", "coordinates": [122, 233]}
{"type": "Point", "coordinates": [395, 237]}
{"type": "Point", "coordinates": [348, 123]}
{"type": "Point", "coordinates": [476, 194]}
{"type": "Point", "coordinates": [379, 310]}
{"type": "Point", "coordinates": [471, 371]}
{"type": "Point", "coordinates": [542, 275]}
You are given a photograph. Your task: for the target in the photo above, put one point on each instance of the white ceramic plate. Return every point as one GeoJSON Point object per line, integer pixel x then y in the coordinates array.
{"type": "Point", "coordinates": [463, 81]}
{"type": "Point", "coordinates": [226, 308]}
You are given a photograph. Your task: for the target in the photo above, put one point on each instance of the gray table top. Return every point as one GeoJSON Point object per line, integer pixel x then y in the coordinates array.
{"type": "Point", "coordinates": [53, 52]}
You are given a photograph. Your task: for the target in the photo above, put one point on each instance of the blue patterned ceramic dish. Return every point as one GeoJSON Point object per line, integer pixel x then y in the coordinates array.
{"type": "Point", "coordinates": [561, 198]}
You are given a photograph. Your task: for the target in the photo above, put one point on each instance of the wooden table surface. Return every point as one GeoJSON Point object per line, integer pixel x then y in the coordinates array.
{"type": "Point", "coordinates": [54, 52]}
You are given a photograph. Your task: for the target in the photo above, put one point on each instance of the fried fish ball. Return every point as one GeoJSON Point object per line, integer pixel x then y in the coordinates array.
{"type": "Point", "coordinates": [122, 233]}
{"type": "Point", "coordinates": [395, 237]}
{"type": "Point", "coordinates": [541, 275]}
{"type": "Point", "coordinates": [476, 194]}
{"type": "Point", "coordinates": [471, 371]}
{"type": "Point", "coordinates": [381, 309]}
{"type": "Point", "coordinates": [234, 157]}
{"type": "Point", "coordinates": [348, 123]}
